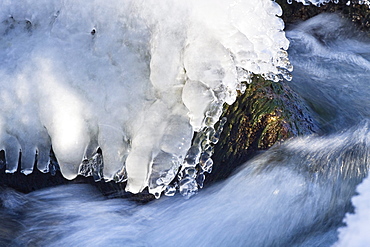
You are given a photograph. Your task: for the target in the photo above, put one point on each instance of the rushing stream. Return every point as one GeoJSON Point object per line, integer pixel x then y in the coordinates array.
{"type": "Point", "coordinates": [295, 194]}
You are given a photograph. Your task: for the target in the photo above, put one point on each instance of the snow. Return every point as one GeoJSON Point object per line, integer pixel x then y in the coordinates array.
{"type": "Point", "coordinates": [356, 233]}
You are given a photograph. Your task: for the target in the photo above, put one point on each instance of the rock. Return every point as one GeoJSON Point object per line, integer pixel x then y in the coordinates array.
{"type": "Point", "coordinates": [266, 114]}
{"type": "Point", "coordinates": [269, 112]}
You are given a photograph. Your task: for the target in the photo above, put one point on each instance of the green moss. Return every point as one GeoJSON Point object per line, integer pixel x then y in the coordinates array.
{"type": "Point", "coordinates": [267, 113]}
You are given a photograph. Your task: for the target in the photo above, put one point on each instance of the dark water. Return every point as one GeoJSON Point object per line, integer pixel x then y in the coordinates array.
{"type": "Point", "coordinates": [295, 194]}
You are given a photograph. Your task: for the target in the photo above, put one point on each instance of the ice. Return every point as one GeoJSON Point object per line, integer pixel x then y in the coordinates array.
{"type": "Point", "coordinates": [164, 170]}
{"type": "Point", "coordinates": [195, 96]}
{"type": "Point", "coordinates": [177, 135]}
{"type": "Point", "coordinates": [133, 80]}
{"type": "Point", "coordinates": [43, 155]}
{"type": "Point", "coordinates": [12, 147]}
{"type": "Point", "coordinates": [320, 2]}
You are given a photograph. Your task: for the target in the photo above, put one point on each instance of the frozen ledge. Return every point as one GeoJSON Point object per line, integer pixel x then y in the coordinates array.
{"type": "Point", "coordinates": [118, 90]}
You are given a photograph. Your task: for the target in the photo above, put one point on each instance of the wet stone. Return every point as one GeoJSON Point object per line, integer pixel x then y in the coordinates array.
{"type": "Point", "coordinates": [266, 114]}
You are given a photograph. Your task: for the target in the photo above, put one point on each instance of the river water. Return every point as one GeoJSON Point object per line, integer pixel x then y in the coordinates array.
{"type": "Point", "coordinates": [295, 194]}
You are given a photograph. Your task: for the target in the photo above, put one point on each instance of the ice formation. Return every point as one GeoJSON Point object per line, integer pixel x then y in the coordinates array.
{"type": "Point", "coordinates": [320, 2]}
{"type": "Point", "coordinates": [133, 79]}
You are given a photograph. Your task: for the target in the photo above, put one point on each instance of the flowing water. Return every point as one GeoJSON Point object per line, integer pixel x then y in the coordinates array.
{"type": "Point", "coordinates": [295, 194]}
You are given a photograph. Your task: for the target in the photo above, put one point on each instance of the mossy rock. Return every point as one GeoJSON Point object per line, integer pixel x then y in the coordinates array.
{"type": "Point", "coordinates": [266, 114]}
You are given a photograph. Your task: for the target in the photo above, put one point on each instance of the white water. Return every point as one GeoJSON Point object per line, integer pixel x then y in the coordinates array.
{"type": "Point", "coordinates": [295, 194]}
{"type": "Point", "coordinates": [332, 65]}
{"type": "Point", "coordinates": [292, 195]}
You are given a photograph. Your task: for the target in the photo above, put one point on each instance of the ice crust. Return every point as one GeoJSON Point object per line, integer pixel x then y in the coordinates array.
{"type": "Point", "coordinates": [133, 78]}
{"type": "Point", "coordinates": [320, 2]}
